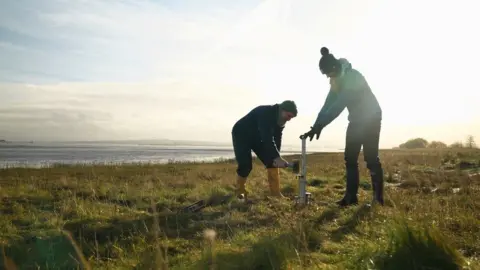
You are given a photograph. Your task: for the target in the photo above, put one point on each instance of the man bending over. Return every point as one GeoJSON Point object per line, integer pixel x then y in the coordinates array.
{"type": "Point", "coordinates": [260, 131]}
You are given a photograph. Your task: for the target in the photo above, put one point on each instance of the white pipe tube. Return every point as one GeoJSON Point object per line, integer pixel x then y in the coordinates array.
{"type": "Point", "coordinates": [303, 174]}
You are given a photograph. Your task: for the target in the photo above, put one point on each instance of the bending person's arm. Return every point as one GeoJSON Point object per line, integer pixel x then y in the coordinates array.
{"type": "Point", "coordinates": [265, 128]}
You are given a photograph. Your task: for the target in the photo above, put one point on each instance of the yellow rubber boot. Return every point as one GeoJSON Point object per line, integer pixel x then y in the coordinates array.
{"type": "Point", "coordinates": [240, 186]}
{"type": "Point", "coordinates": [274, 182]}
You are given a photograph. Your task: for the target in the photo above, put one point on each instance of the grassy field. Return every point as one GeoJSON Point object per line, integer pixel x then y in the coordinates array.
{"type": "Point", "coordinates": [126, 217]}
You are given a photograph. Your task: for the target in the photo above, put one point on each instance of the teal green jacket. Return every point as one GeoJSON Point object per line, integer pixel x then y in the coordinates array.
{"type": "Point", "coordinates": [353, 93]}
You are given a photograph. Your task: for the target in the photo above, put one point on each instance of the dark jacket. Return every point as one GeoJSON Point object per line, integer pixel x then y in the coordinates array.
{"type": "Point", "coordinates": [260, 128]}
{"type": "Point", "coordinates": [353, 93]}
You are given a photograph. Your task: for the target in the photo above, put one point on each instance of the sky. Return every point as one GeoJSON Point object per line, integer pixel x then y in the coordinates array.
{"type": "Point", "coordinates": [187, 70]}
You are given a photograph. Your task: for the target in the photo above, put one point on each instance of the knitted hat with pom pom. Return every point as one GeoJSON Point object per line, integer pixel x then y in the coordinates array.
{"type": "Point", "coordinates": [328, 63]}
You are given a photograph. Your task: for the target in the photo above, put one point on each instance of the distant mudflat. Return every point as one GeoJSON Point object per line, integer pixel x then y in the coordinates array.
{"type": "Point", "coordinates": [48, 154]}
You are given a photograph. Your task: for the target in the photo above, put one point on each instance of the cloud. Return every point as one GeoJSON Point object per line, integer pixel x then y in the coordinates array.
{"type": "Point", "coordinates": [106, 111]}
{"type": "Point", "coordinates": [40, 123]}
{"type": "Point", "coordinates": [138, 40]}
{"type": "Point", "coordinates": [118, 111]}
{"type": "Point", "coordinates": [251, 42]}
{"type": "Point", "coordinates": [101, 40]}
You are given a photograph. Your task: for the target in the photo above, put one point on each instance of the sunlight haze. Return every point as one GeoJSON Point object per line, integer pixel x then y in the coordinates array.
{"type": "Point", "coordinates": [138, 69]}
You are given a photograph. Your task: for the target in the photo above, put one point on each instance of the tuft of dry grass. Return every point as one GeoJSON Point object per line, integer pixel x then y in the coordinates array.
{"type": "Point", "coordinates": [127, 216]}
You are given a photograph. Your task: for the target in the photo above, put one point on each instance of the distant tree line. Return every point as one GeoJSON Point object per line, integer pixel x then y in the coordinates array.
{"type": "Point", "coordinates": [422, 143]}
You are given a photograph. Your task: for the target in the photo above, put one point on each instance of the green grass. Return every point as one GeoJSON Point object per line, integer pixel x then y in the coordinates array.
{"type": "Point", "coordinates": [127, 217]}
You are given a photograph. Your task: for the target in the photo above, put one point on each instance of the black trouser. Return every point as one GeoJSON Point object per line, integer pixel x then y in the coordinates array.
{"type": "Point", "coordinates": [243, 147]}
{"type": "Point", "coordinates": [367, 135]}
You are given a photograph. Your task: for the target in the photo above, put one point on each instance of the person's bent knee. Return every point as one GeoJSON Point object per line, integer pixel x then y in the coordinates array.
{"type": "Point", "coordinates": [266, 161]}
{"type": "Point", "coordinates": [269, 164]}
{"type": "Point", "coordinates": [244, 171]}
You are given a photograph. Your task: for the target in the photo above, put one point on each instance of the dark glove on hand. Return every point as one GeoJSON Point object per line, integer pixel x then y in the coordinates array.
{"type": "Point", "coordinates": [313, 131]}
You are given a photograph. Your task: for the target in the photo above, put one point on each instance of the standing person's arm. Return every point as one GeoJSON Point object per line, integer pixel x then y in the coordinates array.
{"type": "Point", "coordinates": [328, 101]}
{"type": "Point", "coordinates": [349, 92]}
{"type": "Point", "coordinates": [328, 114]}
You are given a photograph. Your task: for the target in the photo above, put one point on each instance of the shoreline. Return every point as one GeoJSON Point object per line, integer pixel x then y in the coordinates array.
{"type": "Point", "coordinates": [196, 161]}
{"type": "Point", "coordinates": [75, 154]}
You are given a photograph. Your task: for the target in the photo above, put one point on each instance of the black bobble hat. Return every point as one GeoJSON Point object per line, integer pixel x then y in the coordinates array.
{"type": "Point", "coordinates": [328, 62]}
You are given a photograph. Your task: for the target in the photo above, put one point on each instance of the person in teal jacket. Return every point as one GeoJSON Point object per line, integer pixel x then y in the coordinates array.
{"type": "Point", "coordinates": [349, 89]}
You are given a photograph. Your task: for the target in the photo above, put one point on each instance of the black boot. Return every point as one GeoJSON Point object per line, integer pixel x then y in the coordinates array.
{"type": "Point", "coordinates": [377, 185]}
{"type": "Point", "coordinates": [350, 197]}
